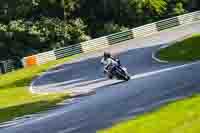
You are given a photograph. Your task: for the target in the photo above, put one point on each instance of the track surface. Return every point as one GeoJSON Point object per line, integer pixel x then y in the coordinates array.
{"type": "Point", "coordinates": [114, 101]}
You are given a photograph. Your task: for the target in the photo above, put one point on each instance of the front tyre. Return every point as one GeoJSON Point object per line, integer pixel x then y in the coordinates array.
{"type": "Point", "coordinates": [127, 78]}
{"type": "Point", "coordinates": [122, 74]}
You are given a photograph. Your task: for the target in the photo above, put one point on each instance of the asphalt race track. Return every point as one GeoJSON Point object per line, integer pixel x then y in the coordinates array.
{"type": "Point", "coordinates": [152, 85]}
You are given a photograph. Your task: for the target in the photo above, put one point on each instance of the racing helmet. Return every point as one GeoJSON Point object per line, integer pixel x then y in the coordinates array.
{"type": "Point", "coordinates": [107, 55]}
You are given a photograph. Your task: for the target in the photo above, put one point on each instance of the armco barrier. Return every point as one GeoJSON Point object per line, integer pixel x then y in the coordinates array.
{"type": "Point", "coordinates": [106, 41]}
{"type": "Point", "coordinates": [29, 61]}
{"type": "Point", "coordinates": [120, 37]}
{"type": "Point", "coordinates": [166, 24]}
{"type": "Point", "coordinates": [6, 66]}
{"type": "Point", "coordinates": [95, 44]}
{"type": "Point", "coordinates": [68, 51]}
{"type": "Point", "coordinates": [45, 57]}
{"type": "Point", "coordinates": [189, 18]}
{"type": "Point", "coordinates": [144, 30]}
{"type": "Point", "coordinates": [83, 47]}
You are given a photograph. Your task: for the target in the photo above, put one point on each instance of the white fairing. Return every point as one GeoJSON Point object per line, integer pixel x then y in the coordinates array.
{"type": "Point", "coordinates": [124, 69]}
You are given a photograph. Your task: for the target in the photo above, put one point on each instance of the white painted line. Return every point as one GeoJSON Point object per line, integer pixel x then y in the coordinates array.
{"type": "Point", "coordinates": [157, 59]}
{"type": "Point", "coordinates": [162, 70]}
{"type": "Point", "coordinates": [166, 46]}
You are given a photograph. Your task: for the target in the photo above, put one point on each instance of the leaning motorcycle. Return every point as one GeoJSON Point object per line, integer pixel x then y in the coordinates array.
{"type": "Point", "coordinates": [118, 72]}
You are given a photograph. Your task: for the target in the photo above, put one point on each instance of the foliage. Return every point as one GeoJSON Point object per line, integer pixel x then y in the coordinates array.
{"type": "Point", "coordinates": [109, 28]}
{"type": "Point", "coordinates": [42, 35]}
{"type": "Point", "coordinates": [155, 6]}
{"type": "Point", "coordinates": [47, 24]}
{"type": "Point", "coordinates": [179, 9]}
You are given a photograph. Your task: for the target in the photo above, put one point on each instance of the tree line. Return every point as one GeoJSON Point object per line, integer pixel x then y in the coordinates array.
{"type": "Point", "coordinates": [31, 26]}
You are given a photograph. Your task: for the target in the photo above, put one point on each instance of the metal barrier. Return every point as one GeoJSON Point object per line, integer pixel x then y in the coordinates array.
{"type": "Point", "coordinates": [68, 51]}
{"type": "Point", "coordinates": [144, 30]}
{"type": "Point", "coordinates": [189, 18]}
{"type": "Point", "coordinates": [168, 23]}
{"type": "Point", "coordinates": [6, 66]}
{"type": "Point", "coordinates": [120, 37]}
{"type": "Point", "coordinates": [42, 58]}
{"type": "Point", "coordinates": [95, 44]}
{"type": "Point", "coordinates": [106, 41]}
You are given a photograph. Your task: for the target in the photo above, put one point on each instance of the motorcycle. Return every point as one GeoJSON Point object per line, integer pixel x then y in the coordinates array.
{"type": "Point", "coordinates": [118, 72]}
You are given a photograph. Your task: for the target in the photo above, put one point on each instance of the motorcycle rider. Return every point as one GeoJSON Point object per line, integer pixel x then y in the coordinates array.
{"type": "Point", "coordinates": [109, 63]}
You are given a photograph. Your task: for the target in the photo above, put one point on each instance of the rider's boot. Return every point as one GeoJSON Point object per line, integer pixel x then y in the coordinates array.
{"type": "Point", "coordinates": [110, 75]}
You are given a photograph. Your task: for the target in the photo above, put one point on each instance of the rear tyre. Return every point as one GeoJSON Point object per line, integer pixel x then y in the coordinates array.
{"type": "Point", "coordinates": [110, 76]}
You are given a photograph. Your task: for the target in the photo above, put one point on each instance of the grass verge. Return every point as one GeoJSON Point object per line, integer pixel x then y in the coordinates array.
{"type": "Point", "coordinates": [179, 117]}
{"type": "Point", "coordinates": [185, 50]}
{"type": "Point", "coordinates": [15, 98]}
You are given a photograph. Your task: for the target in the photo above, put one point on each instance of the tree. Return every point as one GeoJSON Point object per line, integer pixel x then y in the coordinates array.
{"type": "Point", "coordinates": [178, 9]}
{"type": "Point", "coordinates": [156, 7]}
{"type": "Point", "coordinates": [70, 6]}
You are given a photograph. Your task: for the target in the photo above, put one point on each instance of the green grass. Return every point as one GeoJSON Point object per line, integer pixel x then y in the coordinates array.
{"type": "Point", "coordinates": [185, 50]}
{"type": "Point", "coordinates": [15, 98]}
{"type": "Point", "coordinates": [179, 117]}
